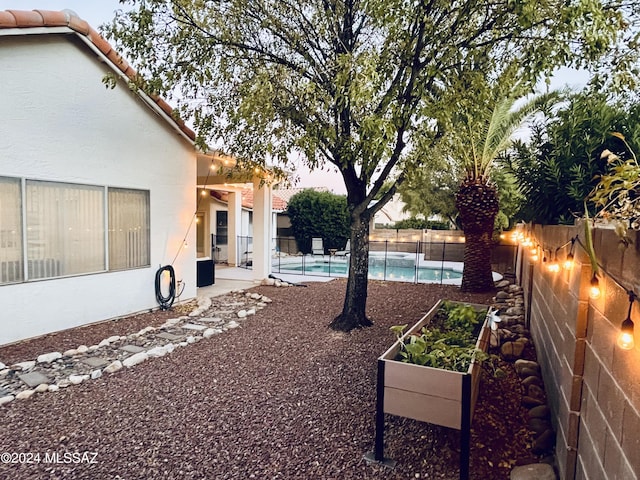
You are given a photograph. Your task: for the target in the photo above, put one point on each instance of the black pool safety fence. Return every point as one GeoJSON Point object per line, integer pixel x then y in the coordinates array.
{"type": "Point", "coordinates": [417, 262]}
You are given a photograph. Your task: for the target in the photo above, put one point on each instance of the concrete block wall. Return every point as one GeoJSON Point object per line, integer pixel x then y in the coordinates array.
{"type": "Point", "coordinates": [593, 386]}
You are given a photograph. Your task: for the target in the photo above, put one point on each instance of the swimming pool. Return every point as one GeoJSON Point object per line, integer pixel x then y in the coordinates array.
{"type": "Point", "coordinates": [398, 269]}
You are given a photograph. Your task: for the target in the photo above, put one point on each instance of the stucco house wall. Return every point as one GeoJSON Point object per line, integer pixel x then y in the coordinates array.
{"type": "Point", "coordinates": [59, 123]}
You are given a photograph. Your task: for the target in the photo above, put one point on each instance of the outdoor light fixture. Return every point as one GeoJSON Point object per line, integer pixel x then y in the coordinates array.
{"type": "Point", "coordinates": [625, 337]}
{"type": "Point", "coordinates": [534, 255]}
{"type": "Point", "coordinates": [553, 265]}
{"type": "Point", "coordinates": [594, 289]}
{"type": "Point", "coordinates": [568, 262]}
{"type": "Point", "coordinates": [203, 192]}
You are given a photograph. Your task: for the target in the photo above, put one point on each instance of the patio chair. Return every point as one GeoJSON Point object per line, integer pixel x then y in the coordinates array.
{"type": "Point", "coordinates": [317, 246]}
{"type": "Point", "coordinates": [346, 251]}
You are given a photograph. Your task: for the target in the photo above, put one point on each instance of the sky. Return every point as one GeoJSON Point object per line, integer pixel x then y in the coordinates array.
{"type": "Point", "coordinates": [97, 12]}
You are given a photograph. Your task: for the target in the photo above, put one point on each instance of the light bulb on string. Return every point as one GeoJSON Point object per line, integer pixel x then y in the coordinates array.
{"type": "Point", "coordinates": [625, 337]}
{"type": "Point", "coordinates": [534, 255]}
{"type": "Point", "coordinates": [594, 288]}
{"type": "Point", "coordinates": [569, 261]}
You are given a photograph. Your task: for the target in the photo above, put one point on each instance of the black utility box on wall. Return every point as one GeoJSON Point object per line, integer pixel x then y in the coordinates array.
{"type": "Point", "coordinates": [205, 272]}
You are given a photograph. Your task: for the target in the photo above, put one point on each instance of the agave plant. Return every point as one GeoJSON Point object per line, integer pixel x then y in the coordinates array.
{"type": "Point", "coordinates": [481, 138]}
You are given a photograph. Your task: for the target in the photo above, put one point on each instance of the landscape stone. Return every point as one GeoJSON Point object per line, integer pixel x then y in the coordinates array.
{"type": "Point", "coordinates": [7, 399]}
{"type": "Point", "coordinates": [33, 379]}
{"type": "Point", "coordinates": [532, 380]}
{"type": "Point", "coordinates": [95, 362]}
{"type": "Point", "coordinates": [168, 336]}
{"type": "Point", "coordinates": [503, 284]}
{"type": "Point", "coordinates": [535, 391]}
{"type": "Point", "coordinates": [157, 352]}
{"type": "Point", "coordinates": [544, 443]}
{"type": "Point", "coordinates": [132, 348]}
{"type": "Point", "coordinates": [57, 370]}
{"type": "Point", "coordinates": [24, 366]}
{"type": "Point", "coordinates": [511, 350]}
{"type": "Point", "coordinates": [502, 295]}
{"type": "Point", "coordinates": [539, 412]}
{"type": "Point", "coordinates": [135, 359]}
{"type": "Point", "coordinates": [242, 314]}
{"type": "Point", "coordinates": [113, 367]}
{"type": "Point", "coordinates": [534, 471]}
{"type": "Point", "coordinates": [192, 326]}
{"type": "Point", "coordinates": [527, 372]}
{"type": "Point", "coordinates": [530, 402]}
{"type": "Point", "coordinates": [208, 333]}
{"type": "Point", "coordinates": [43, 387]}
{"type": "Point", "coordinates": [49, 357]}
{"type": "Point", "coordinates": [25, 394]}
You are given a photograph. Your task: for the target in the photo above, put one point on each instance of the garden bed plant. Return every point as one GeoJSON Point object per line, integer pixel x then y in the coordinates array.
{"type": "Point", "coordinates": [448, 341]}
{"type": "Point", "coordinates": [432, 372]}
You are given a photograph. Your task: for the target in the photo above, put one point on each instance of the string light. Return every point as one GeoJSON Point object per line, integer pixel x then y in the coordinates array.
{"type": "Point", "coordinates": [569, 261]}
{"type": "Point", "coordinates": [594, 289]}
{"type": "Point", "coordinates": [625, 337]}
{"type": "Point", "coordinates": [534, 254]}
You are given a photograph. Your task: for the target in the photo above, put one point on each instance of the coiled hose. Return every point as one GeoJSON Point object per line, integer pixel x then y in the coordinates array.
{"type": "Point", "coordinates": [166, 302]}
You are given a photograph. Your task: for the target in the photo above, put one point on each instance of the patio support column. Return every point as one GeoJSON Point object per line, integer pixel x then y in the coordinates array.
{"type": "Point", "coordinates": [234, 226]}
{"type": "Point", "coordinates": [261, 230]}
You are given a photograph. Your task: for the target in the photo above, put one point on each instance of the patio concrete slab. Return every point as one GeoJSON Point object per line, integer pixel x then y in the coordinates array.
{"type": "Point", "coordinates": [33, 379]}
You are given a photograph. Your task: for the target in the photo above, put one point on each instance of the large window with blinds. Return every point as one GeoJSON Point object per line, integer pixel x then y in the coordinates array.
{"type": "Point", "coordinates": [55, 229]}
{"type": "Point", "coordinates": [11, 266]}
{"type": "Point", "coordinates": [128, 228]}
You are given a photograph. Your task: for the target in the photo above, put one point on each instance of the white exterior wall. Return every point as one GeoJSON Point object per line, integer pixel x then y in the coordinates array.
{"type": "Point", "coordinates": [58, 122]}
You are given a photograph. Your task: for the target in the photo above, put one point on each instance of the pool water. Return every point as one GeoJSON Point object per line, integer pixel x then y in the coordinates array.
{"type": "Point", "coordinates": [379, 272]}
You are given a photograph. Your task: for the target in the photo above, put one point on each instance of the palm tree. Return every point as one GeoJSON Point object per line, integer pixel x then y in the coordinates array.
{"type": "Point", "coordinates": [482, 138]}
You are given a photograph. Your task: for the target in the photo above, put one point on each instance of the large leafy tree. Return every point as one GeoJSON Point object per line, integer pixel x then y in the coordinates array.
{"type": "Point", "coordinates": [561, 162]}
{"type": "Point", "coordinates": [348, 82]}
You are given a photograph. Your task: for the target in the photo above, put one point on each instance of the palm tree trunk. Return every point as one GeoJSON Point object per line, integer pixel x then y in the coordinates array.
{"type": "Point", "coordinates": [477, 203]}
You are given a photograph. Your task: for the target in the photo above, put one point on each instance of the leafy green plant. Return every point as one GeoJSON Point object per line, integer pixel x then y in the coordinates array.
{"type": "Point", "coordinates": [448, 342]}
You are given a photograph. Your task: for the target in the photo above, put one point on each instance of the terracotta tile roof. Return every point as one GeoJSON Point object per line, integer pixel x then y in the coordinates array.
{"type": "Point", "coordinates": [22, 19]}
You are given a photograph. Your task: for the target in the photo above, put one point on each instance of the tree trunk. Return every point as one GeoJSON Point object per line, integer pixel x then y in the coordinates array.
{"type": "Point", "coordinates": [355, 301]}
{"type": "Point", "coordinates": [477, 203]}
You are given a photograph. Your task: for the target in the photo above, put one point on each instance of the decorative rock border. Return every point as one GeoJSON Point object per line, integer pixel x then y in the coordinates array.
{"type": "Point", "coordinates": [55, 370]}
{"type": "Point", "coordinates": [511, 340]}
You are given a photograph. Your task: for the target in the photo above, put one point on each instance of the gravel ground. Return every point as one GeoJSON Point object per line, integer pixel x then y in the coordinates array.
{"type": "Point", "coordinates": [281, 397]}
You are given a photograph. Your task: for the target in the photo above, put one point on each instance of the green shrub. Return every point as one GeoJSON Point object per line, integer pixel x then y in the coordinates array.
{"type": "Point", "coordinates": [319, 214]}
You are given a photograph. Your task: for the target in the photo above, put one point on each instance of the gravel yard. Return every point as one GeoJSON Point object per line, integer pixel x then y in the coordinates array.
{"type": "Point", "coordinates": [281, 397]}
